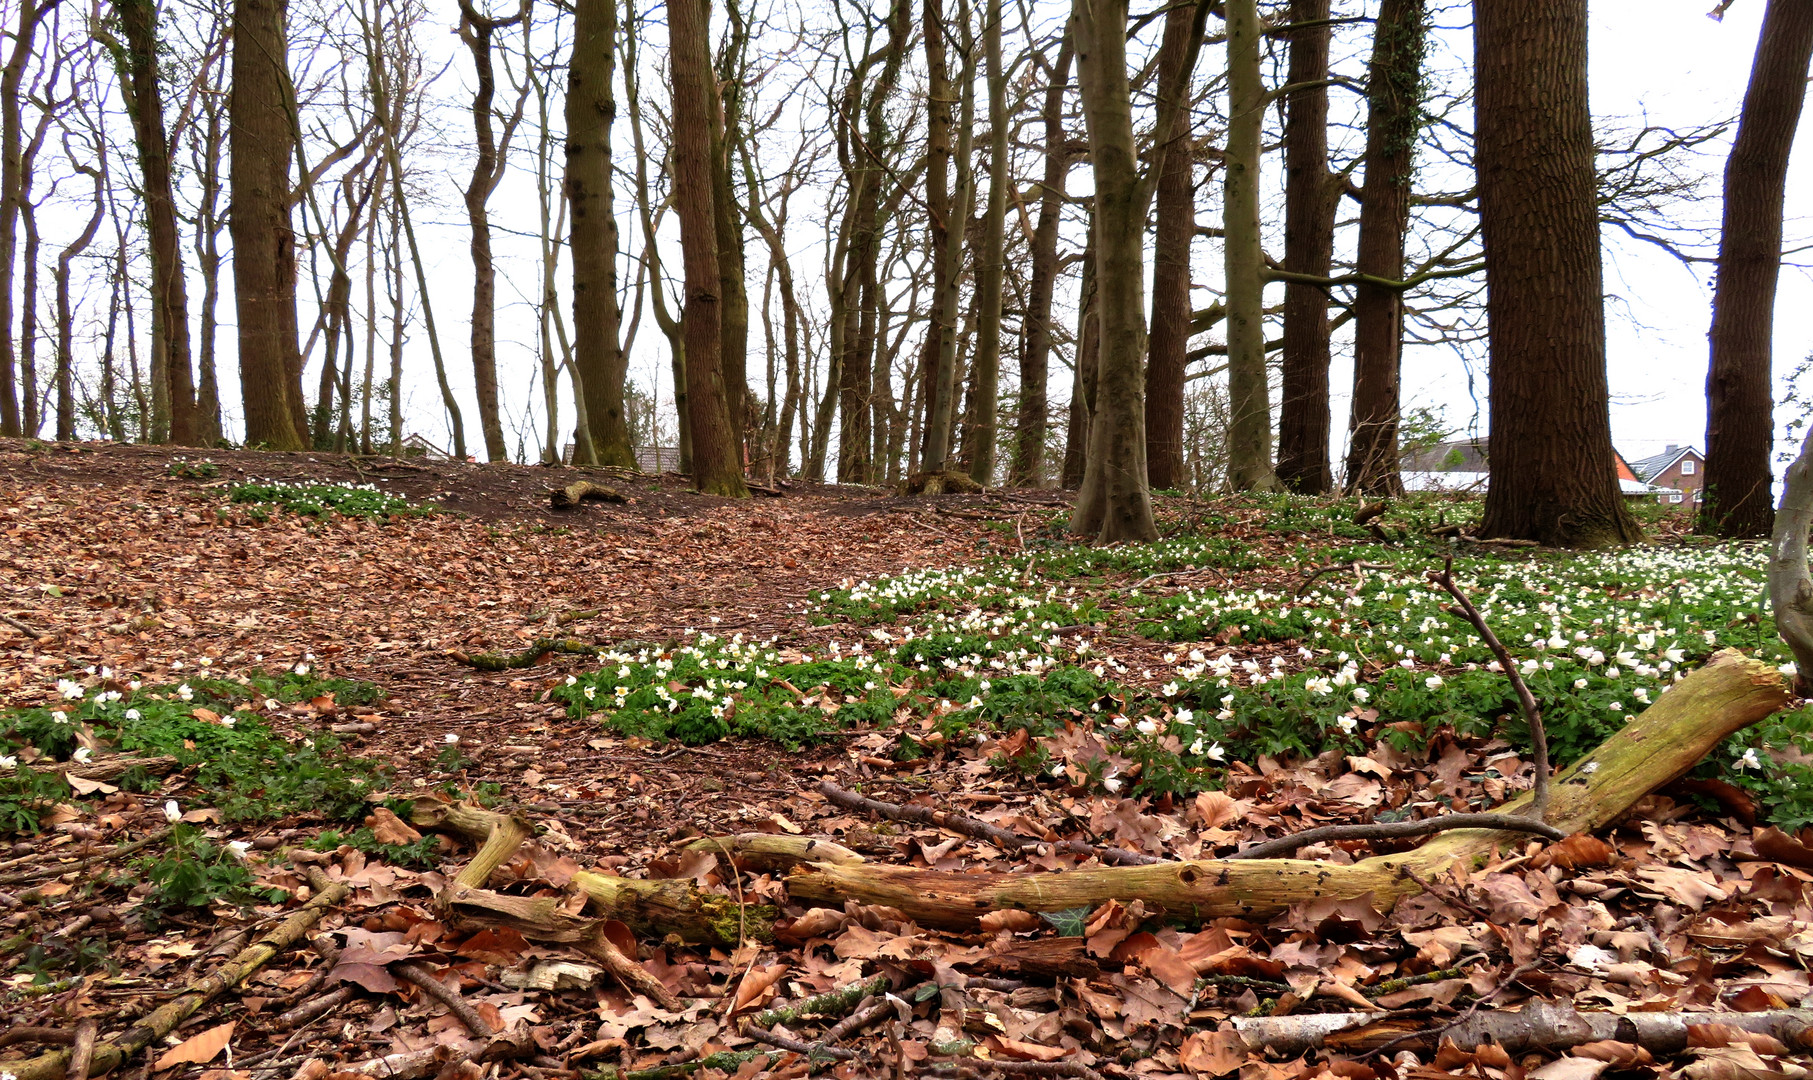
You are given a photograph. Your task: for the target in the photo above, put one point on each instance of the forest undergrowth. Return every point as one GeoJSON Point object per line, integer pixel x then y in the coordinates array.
{"type": "Point", "coordinates": [237, 685]}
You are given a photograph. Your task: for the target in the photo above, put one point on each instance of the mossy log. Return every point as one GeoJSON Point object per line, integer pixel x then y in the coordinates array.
{"type": "Point", "coordinates": [775, 852]}
{"type": "Point", "coordinates": [529, 657]}
{"type": "Point", "coordinates": [1730, 693]}
{"type": "Point", "coordinates": [678, 907]}
{"type": "Point", "coordinates": [940, 483]}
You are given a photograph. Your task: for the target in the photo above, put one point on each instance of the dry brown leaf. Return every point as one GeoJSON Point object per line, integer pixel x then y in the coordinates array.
{"type": "Point", "coordinates": [756, 984]}
{"type": "Point", "coordinates": [1213, 1053]}
{"type": "Point", "coordinates": [1740, 1063]}
{"type": "Point", "coordinates": [387, 828]}
{"type": "Point", "coordinates": [1026, 1051]}
{"type": "Point", "coordinates": [1012, 920]}
{"type": "Point", "coordinates": [1578, 850]}
{"type": "Point", "coordinates": [1618, 1053]}
{"type": "Point", "coordinates": [198, 1049]}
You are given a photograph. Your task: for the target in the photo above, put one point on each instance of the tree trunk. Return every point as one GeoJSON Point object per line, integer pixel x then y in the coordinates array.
{"type": "Point", "coordinates": [169, 291]}
{"type": "Point", "coordinates": [1393, 119]}
{"type": "Point", "coordinates": [1249, 390]}
{"type": "Point", "coordinates": [1553, 476]}
{"type": "Point", "coordinates": [206, 154]}
{"type": "Point", "coordinates": [1175, 231]}
{"type": "Point", "coordinates": [1035, 340]}
{"type": "Point", "coordinates": [597, 350]}
{"type": "Point", "coordinates": [65, 373]}
{"type": "Point", "coordinates": [942, 319]}
{"type": "Point", "coordinates": [1311, 194]}
{"type": "Point", "coordinates": [725, 97]}
{"type": "Point", "coordinates": [716, 465]}
{"type": "Point", "coordinates": [986, 368]}
{"type": "Point", "coordinates": [12, 188]}
{"type": "Point", "coordinates": [1669, 738]}
{"type": "Point", "coordinates": [1082, 381]}
{"type": "Point", "coordinates": [1739, 427]}
{"type": "Point", "coordinates": [1114, 503]}
{"type": "Point", "coordinates": [476, 32]}
{"type": "Point", "coordinates": [264, 283]}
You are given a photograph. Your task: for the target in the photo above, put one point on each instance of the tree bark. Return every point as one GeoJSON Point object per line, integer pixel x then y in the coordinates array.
{"type": "Point", "coordinates": [1739, 426]}
{"type": "Point", "coordinates": [476, 32]}
{"type": "Point", "coordinates": [940, 204]}
{"type": "Point", "coordinates": [1114, 503]}
{"type": "Point", "coordinates": [985, 374]}
{"type": "Point", "coordinates": [65, 373]}
{"type": "Point", "coordinates": [1249, 390]}
{"type": "Point", "coordinates": [1553, 476]}
{"type": "Point", "coordinates": [1790, 586]}
{"type": "Point", "coordinates": [1311, 193]}
{"type": "Point", "coordinates": [169, 291]}
{"type": "Point", "coordinates": [1174, 233]}
{"type": "Point", "coordinates": [1035, 341]}
{"type": "Point", "coordinates": [1393, 119]}
{"type": "Point", "coordinates": [1669, 738]}
{"type": "Point", "coordinates": [597, 350]}
{"type": "Point", "coordinates": [1083, 382]}
{"type": "Point", "coordinates": [12, 187]}
{"type": "Point", "coordinates": [716, 464]}
{"type": "Point", "coordinates": [264, 283]}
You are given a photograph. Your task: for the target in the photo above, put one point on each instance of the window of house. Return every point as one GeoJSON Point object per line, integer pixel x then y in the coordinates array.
{"type": "Point", "coordinates": [1675, 498]}
{"type": "Point", "coordinates": [1687, 466]}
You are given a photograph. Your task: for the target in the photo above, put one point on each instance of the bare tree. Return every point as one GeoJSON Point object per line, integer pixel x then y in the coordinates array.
{"type": "Point", "coordinates": [12, 186]}
{"type": "Point", "coordinates": [1249, 392]}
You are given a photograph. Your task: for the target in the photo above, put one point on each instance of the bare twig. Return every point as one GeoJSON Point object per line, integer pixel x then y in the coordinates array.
{"type": "Point", "coordinates": [805, 1049]}
{"type": "Point", "coordinates": [317, 1007]}
{"type": "Point", "coordinates": [446, 995]}
{"type": "Point", "coordinates": [1539, 740]}
{"type": "Point", "coordinates": [37, 872]}
{"type": "Point", "coordinates": [23, 628]}
{"type": "Point", "coordinates": [81, 1054]}
{"type": "Point", "coordinates": [1391, 830]}
{"type": "Point", "coordinates": [1356, 566]}
{"type": "Point", "coordinates": [981, 830]}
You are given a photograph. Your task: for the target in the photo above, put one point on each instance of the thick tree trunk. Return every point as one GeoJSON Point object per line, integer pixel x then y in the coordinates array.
{"type": "Point", "coordinates": [1175, 207]}
{"type": "Point", "coordinates": [264, 283]}
{"type": "Point", "coordinates": [1393, 119]}
{"type": "Point", "coordinates": [597, 350]}
{"type": "Point", "coordinates": [1729, 694]}
{"type": "Point", "coordinates": [1311, 193]}
{"type": "Point", "coordinates": [1035, 341]}
{"type": "Point", "coordinates": [169, 293]}
{"type": "Point", "coordinates": [716, 463]}
{"type": "Point", "coordinates": [12, 187]}
{"type": "Point", "coordinates": [1553, 476]}
{"type": "Point", "coordinates": [1249, 389]}
{"type": "Point", "coordinates": [985, 374]}
{"type": "Point", "coordinates": [938, 202]}
{"type": "Point", "coordinates": [733, 294]}
{"type": "Point", "coordinates": [1114, 503]}
{"type": "Point", "coordinates": [1739, 427]}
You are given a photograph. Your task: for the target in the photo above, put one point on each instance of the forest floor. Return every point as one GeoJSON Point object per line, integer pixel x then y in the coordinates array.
{"type": "Point", "coordinates": [295, 686]}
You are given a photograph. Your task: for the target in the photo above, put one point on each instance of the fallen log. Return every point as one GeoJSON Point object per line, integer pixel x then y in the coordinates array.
{"type": "Point", "coordinates": [1539, 1025]}
{"type": "Point", "coordinates": [581, 491]}
{"type": "Point", "coordinates": [529, 657]}
{"type": "Point", "coordinates": [1730, 693]}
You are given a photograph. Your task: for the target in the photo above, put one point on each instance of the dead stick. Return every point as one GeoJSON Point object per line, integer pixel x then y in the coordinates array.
{"type": "Point", "coordinates": [634, 977]}
{"type": "Point", "coordinates": [21, 627]}
{"type": "Point", "coordinates": [1390, 830]}
{"type": "Point", "coordinates": [36, 1035]}
{"type": "Point", "coordinates": [446, 995]}
{"type": "Point", "coordinates": [805, 1049]}
{"type": "Point", "coordinates": [315, 1008]}
{"type": "Point", "coordinates": [1539, 740]}
{"type": "Point", "coordinates": [81, 1054]}
{"type": "Point", "coordinates": [20, 877]}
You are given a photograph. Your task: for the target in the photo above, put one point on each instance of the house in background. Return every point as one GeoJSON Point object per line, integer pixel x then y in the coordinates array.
{"type": "Point", "coordinates": [1680, 469]}
{"type": "Point", "coordinates": [1461, 465]}
{"type": "Point", "coordinates": [419, 446]}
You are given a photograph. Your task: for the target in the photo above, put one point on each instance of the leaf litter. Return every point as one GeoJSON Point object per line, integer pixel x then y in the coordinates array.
{"type": "Point", "coordinates": [117, 567]}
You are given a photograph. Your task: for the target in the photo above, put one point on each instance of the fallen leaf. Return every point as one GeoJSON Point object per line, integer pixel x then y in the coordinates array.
{"type": "Point", "coordinates": [198, 1049]}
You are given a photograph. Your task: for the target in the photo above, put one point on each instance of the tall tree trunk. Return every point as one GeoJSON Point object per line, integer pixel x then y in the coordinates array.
{"type": "Point", "coordinates": [1114, 503]}
{"type": "Point", "coordinates": [476, 31]}
{"type": "Point", "coordinates": [1035, 339]}
{"type": "Point", "coordinates": [206, 154]}
{"type": "Point", "coordinates": [1739, 428]}
{"type": "Point", "coordinates": [65, 373]}
{"type": "Point", "coordinates": [1249, 390]}
{"type": "Point", "coordinates": [1393, 119]}
{"type": "Point", "coordinates": [169, 289]}
{"type": "Point", "coordinates": [725, 104]}
{"type": "Point", "coordinates": [941, 403]}
{"type": "Point", "coordinates": [597, 350]}
{"type": "Point", "coordinates": [941, 322]}
{"type": "Point", "coordinates": [1082, 381]}
{"type": "Point", "coordinates": [716, 464]}
{"type": "Point", "coordinates": [12, 187]}
{"type": "Point", "coordinates": [1553, 476]}
{"type": "Point", "coordinates": [31, 421]}
{"type": "Point", "coordinates": [264, 283]}
{"type": "Point", "coordinates": [986, 370]}
{"type": "Point", "coordinates": [1175, 230]}
{"type": "Point", "coordinates": [1311, 194]}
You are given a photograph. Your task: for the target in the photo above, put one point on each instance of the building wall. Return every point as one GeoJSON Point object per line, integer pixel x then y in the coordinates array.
{"type": "Point", "coordinates": [1688, 482]}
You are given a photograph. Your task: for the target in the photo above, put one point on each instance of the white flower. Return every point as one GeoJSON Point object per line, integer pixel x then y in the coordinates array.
{"type": "Point", "coordinates": [59, 717]}
{"type": "Point", "coordinates": [185, 693]}
{"type": "Point", "coordinates": [1216, 753]}
{"type": "Point", "coordinates": [1433, 682]}
{"type": "Point", "coordinates": [229, 720]}
{"type": "Point", "coordinates": [1362, 695]}
{"type": "Point", "coordinates": [239, 848]}
{"type": "Point", "coordinates": [82, 754]}
{"type": "Point", "coordinates": [450, 739]}
{"type": "Point", "coordinates": [1347, 724]}
{"type": "Point", "coordinates": [172, 812]}
{"type": "Point", "coordinates": [1196, 747]}
{"type": "Point", "coordinates": [302, 669]}
{"type": "Point", "coordinates": [1112, 784]}
{"type": "Point", "coordinates": [8, 761]}
{"type": "Point", "coordinates": [1749, 760]}
{"type": "Point", "coordinates": [71, 690]}
{"type": "Point", "coordinates": [1169, 689]}
{"type": "Point", "coordinates": [132, 714]}
{"type": "Point", "coordinates": [1186, 715]}
{"type": "Point", "coordinates": [1789, 669]}
{"type": "Point", "coordinates": [1580, 684]}
{"type": "Point", "coordinates": [1147, 726]}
